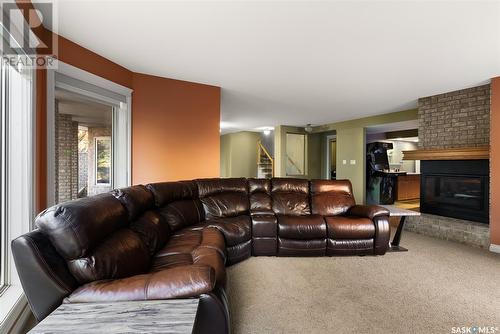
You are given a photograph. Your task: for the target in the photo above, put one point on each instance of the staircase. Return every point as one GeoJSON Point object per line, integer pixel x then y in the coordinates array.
{"type": "Point", "coordinates": [265, 163]}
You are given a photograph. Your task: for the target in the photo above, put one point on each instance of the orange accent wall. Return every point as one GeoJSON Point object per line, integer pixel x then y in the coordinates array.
{"type": "Point", "coordinates": [175, 130]}
{"type": "Point", "coordinates": [495, 162]}
{"type": "Point", "coordinates": [175, 124]}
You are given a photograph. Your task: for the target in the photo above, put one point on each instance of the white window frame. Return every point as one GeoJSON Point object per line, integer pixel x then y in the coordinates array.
{"type": "Point", "coordinates": [95, 160]}
{"type": "Point", "coordinates": [122, 123]}
{"type": "Point", "coordinates": [19, 189]}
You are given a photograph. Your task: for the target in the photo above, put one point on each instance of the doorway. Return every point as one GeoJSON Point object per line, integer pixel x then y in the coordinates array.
{"type": "Point", "coordinates": [88, 134]}
{"type": "Point", "coordinates": [331, 157]}
{"type": "Point", "coordinates": [83, 133]}
{"type": "Point", "coordinates": [332, 148]}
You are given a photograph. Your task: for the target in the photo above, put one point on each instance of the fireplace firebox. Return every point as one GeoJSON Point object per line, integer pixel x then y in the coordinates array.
{"type": "Point", "coordinates": [455, 188]}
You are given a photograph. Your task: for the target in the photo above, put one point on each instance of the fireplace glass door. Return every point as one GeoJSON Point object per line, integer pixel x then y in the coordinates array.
{"type": "Point", "coordinates": [460, 191]}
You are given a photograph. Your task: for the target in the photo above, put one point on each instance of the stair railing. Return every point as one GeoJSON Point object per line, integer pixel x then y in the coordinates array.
{"type": "Point", "coordinates": [260, 149]}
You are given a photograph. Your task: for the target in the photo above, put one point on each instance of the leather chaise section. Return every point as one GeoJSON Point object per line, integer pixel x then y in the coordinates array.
{"type": "Point", "coordinates": [178, 282]}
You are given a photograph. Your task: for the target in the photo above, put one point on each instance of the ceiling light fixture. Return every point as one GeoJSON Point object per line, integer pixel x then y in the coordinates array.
{"type": "Point", "coordinates": [308, 128]}
{"type": "Point", "coordinates": [267, 132]}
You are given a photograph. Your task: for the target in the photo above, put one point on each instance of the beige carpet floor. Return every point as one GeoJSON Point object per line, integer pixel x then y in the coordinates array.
{"type": "Point", "coordinates": [430, 289]}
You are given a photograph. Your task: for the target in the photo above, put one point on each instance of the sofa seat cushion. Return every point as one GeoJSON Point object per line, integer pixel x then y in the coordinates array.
{"type": "Point", "coordinates": [302, 227]}
{"type": "Point", "coordinates": [203, 246]}
{"type": "Point", "coordinates": [236, 230]}
{"type": "Point", "coordinates": [179, 282]}
{"type": "Point", "coordinates": [349, 227]}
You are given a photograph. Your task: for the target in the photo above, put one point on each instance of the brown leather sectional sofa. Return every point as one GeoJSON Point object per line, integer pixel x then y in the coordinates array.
{"type": "Point", "coordinates": [174, 239]}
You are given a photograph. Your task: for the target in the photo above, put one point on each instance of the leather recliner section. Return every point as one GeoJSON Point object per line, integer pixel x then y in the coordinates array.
{"type": "Point", "coordinates": [226, 206]}
{"type": "Point", "coordinates": [264, 222]}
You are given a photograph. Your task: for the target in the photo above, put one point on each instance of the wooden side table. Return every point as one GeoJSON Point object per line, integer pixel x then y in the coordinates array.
{"type": "Point", "coordinates": [174, 316]}
{"type": "Point", "coordinates": [395, 211]}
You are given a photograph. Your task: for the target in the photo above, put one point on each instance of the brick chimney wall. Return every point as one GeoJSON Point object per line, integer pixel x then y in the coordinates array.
{"type": "Point", "coordinates": [455, 119]}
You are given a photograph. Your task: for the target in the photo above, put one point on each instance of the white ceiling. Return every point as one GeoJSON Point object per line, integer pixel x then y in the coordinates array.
{"type": "Point", "coordinates": [297, 62]}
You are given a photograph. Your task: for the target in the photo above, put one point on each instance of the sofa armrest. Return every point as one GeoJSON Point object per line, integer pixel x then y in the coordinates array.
{"type": "Point", "coordinates": [380, 217]}
{"type": "Point", "coordinates": [382, 235]}
{"type": "Point", "coordinates": [368, 211]}
{"type": "Point", "coordinates": [177, 282]}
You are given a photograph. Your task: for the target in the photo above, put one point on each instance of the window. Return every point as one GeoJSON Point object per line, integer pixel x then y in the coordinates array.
{"type": "Point", "coordinates": [103, 160]}
{"type": "Point", "coordinates": [16, 173]}
{"type": "Point", "coordinates": [16, 102]}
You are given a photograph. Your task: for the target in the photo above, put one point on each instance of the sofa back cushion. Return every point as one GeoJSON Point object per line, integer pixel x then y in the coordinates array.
{"type": "Point", "coordinates": [290, 196]}
{"type": "Point", "coordinates": [260, 196]}
{"type": "Point", "coordinates": [136, 200]}
{"type": "Point", "coordinates": [223, 197]}
{"type": "Point", "coordinates": [178, 203]}
{"type": "Point", "coordinates": [331, 197]}
{"type": "Point", "coordinates": [78, 226]}
{"type": "Point", "coordinates": [93, 236]}
{"type": "Point", "coordinates": [153, 230]}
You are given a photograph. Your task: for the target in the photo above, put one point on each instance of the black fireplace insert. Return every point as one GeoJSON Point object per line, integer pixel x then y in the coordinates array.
{"type": "Point", "coordinates": [455, 188]}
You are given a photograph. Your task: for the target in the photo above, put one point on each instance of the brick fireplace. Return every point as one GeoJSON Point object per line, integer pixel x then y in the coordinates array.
{"type": "Point", "coordinates": [454, 133]}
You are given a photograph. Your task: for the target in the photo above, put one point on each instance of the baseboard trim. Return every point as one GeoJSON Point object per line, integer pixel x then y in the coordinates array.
{"type": "Point", "coordinates": [495, 248]}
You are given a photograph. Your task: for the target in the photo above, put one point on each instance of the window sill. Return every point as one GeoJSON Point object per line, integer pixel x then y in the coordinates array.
{"type": "Point", "coordinates": [12, 304]}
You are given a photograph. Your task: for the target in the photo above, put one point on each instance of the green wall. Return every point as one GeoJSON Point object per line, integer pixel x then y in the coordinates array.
{"type": "Point", "coordinates": [238, 154]}
{"type": "Point", "coordinates": [351, 148]}
{"type": "Point", "coordinates": [351, 145]}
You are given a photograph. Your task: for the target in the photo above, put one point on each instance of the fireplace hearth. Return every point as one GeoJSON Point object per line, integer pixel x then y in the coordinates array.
{"type": "Point", "coordinates": [456, 188]}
